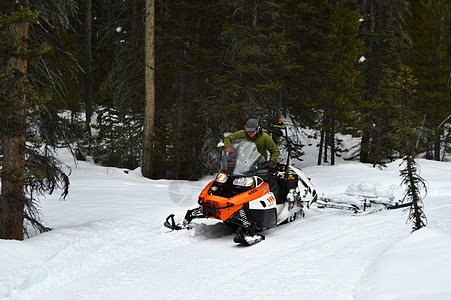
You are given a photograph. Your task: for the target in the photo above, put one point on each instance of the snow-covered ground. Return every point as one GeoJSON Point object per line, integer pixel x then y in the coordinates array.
{"type": "Point", "coordinates": [109, 242]}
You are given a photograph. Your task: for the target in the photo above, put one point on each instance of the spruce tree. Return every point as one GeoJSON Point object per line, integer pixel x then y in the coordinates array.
{"type": "Point", "coordinates": [14, 26]}
{"type": "Point", "coordinates": [383, 31]}
{"type": "Point", "coordinates": [430, 59]}
{"type": "Point", "coordinates": [340, 95]}
{"type": "Point", "coordinates": [257, 57]}
{"type": "Point", "coordinates": [118, 85]}
{"type": "Point", "coordinates": [186, 61]}
{"type": "Point", "coordinates": [31, 127]}
{"type": "Point", "coordinates": [414, 185]}
{"type": "Point", "coordinates": [401, 90]}
{"type": "Point", "coordinates": [410, 132]}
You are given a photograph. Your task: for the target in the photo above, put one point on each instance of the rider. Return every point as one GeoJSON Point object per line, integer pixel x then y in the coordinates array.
{"type": "Point", "coordinates": [253, 132]}
{"type": "Point", "coordinates": [264, 143]}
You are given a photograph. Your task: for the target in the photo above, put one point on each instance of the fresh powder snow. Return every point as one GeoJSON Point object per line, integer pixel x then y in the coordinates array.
{"type": "Point", "coordinates": [108, 242]}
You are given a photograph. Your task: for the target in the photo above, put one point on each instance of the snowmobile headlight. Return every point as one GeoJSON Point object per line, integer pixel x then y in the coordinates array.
{"type": "Point", "coordinates": [244, 181]}
{"type": "Point", "coordinates": [221, 178]}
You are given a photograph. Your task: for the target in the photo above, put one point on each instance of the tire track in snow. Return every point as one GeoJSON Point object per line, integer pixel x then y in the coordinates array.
{"type": "Point", "coordinates": [313, 259]}
{"type": "Point", "coordinates": [309, 254]}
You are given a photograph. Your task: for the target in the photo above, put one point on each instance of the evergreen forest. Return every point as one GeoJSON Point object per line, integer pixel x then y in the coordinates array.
{"type": "Point", "coordinates": [73, 75]}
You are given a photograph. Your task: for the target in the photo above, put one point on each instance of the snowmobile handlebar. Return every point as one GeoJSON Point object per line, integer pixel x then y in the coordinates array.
{"type": "Point", "coordinates": [267, 165]}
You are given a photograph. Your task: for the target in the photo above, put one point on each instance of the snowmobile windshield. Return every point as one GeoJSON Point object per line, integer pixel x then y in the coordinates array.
{"type": "Point", "coordinates": [241, 158]}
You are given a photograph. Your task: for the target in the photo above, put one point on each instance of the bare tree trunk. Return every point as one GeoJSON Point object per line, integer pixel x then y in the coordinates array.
{"type": "Point", "coordinates": [88, 64]}
{"type": "Point", "coordinates": [254, 15]}
{"type": "Point", "coordinates": [320, 152]}
{"type": "Point", "coordinates": [109, 34]}
{"type": "Point", "coordinates": [437, 144]}
{"type": "Point", "coordinates": [149, 110]}
{"type": "Point", "coordinates": [364, 146]}
{"type": "Point", "coordinates": [332, 142]}
{"type": "Point", "coordinates": [326, 144]}
{"type": "Point", "coordinates": [181, 113]}
{"type": "Point", "coordinates": [13, 170]}
{"type": "Point", "coordinates": [134, 20]}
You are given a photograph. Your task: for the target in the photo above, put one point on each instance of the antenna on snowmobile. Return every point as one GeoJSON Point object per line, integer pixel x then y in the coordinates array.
{"type": "Point", "coordinates": [281, 126]}
{"type": "Point", "coordinates": [278, 128]}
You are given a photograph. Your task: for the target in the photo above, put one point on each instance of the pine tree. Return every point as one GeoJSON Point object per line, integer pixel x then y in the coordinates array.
{"type": "Point", "coordinates": [118, 85]}
{"type": "Point", "coordinates": [386, 42]}
{"type": "Point", "coordinates": [410, 133]}
{"type": "Point", "coordinates": [258, 72]}
{"type": "Point", "coordinates": [307, 26]}
{"type": "Point", "coordinates": [31, 125]}
{"type": "Point", "coordinates": [14, 25]}
{"type": "Point", "coordinates": [119, 135]}
{"type": "Point", "coordinates": [415, 185]}
{"type": "Point", "coordinates": [430, 60]}
{"type": "Point", "coordinates": [339, 96]}
{"type": "Point", "coordinates": [186, 61]}
{"type": "Point", "coordinates": [257, 57]}
{"type": "Point", "coordinates": [401, 90]}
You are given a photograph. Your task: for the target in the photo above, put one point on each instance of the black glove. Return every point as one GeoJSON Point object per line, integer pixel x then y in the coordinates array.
{"type": "Point", "coordinates": [271, 164]}
{"type": "Point", "coordinates": [267, 165]}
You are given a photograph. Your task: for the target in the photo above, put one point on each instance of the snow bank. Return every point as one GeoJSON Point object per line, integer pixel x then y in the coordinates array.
{"type": "Point", "coordinates": [417, 267]}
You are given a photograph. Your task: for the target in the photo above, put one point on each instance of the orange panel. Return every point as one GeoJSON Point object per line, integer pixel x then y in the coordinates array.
{"type": "Point", "coordinates": [238, 200]}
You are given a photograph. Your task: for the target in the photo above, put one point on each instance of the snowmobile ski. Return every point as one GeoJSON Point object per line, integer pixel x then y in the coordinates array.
{"type": "Point", "coordinates": [190, 215]}
{"type": "Point", "coordinates": [170, 223]}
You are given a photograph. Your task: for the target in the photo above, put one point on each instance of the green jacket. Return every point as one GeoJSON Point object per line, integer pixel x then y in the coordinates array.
{"type": "Point", "coordinates": [262, 140]}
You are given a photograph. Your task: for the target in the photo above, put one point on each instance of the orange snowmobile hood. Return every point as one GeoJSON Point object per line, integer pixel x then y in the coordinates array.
{"type": "Point", "coordinates": [226, 207]}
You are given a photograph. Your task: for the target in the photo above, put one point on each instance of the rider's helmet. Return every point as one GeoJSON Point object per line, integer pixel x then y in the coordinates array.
{"type": "Point", "coordinates": [251, 125]}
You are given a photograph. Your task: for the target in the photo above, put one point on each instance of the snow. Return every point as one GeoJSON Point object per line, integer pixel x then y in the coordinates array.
{"type": "Point", "coordinates": [108, 242]}
{"type": "Point", "coordinates": [428, 251]}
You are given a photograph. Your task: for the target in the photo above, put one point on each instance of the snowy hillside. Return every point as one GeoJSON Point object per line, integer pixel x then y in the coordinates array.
{"type": "Point", "coordinates": [109, 242]}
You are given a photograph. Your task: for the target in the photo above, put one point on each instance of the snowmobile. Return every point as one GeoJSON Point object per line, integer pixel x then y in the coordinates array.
{"type": "Point", "coordinates": [251, 194]}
